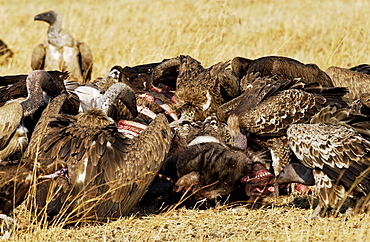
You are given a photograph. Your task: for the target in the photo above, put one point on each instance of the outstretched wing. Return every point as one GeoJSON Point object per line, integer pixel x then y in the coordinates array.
{"type": "Point", "coordinates": [108, 172]}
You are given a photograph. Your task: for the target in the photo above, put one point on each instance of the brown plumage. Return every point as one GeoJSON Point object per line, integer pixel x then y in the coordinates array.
{"type": "Point", "coordinates": [61, 51]}
{"type": "Point", "coordinates": [356, 82]}
{"type": "Point", "coordinates": [15, 86]}
{"type": "Point", "coordinates": [13, 135]}
{"type": "Point", "coordinates": [199, 91]}
{"type": "Point", "coordinates": [272, 105]}
{"type": "Point", "coordinates": [16, 176]}
{"type": "Point", "coordinates": [108, 173]}
{"type": "Point", "coordinates": [15, 180]}
{"type": "Point", "coordinates": [363, 68]}
{"type": "Point", "coordinates": [5, 53]}
{"type": "Point", "coordinates": [336, 146]}
{"type": "Point", "coordinates": [283, 67]}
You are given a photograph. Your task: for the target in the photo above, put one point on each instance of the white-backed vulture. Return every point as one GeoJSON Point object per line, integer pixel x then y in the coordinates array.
{"type": "Point", "coordinates": [5, 53]}
{"type": "Point", "coordinates": [13, 135]}
{"type": "Point", "coordinates": [14, 86]}
{"type": "Point", "coordinates": [107, 172]}
{"type": "Point", "coordinates": [61, 51]}
{"type": "Point", "coordinates": [336, 146]}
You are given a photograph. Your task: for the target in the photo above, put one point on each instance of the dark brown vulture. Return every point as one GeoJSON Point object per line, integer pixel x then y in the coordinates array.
{"type": "Point", "coordinates": [283, 67]}
{"type": "Point", "coordinates": [61, 51]}
{"type": "Point", "coordinates": [199, 91]}
{"type": "Point", "coordinates": [107, 173]}
{"type": "Point", "coordinates": [208, 169]}
{"type": "Point", "coordinates": [336, 146]}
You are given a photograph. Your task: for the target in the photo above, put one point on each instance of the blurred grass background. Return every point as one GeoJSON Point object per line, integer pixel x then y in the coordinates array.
{"type": "Point", "coordinates": [134, 32]}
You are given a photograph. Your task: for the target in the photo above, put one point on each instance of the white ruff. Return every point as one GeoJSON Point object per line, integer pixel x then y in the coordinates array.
{"type": "Point", "coordinates": [203, 139]}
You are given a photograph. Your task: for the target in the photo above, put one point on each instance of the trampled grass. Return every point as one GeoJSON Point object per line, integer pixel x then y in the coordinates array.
{"type": "Point", "coordinates": [134, 32]}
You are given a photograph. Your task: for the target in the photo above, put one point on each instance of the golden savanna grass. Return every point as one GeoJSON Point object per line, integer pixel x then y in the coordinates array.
{"type": "Point", "coordinates": [135, 32]}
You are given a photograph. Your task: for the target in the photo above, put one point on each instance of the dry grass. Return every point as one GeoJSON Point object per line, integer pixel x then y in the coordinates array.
{"type": "Point", "coordinates": [134, 32]}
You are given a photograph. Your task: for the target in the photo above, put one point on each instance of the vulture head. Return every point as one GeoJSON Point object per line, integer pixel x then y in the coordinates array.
{"type": "Point", "coordinates": [297, 173]}
{"type": "Point", "coordinates": [50, 17]}
{"type": "Point", "coordinates": [113, 99]}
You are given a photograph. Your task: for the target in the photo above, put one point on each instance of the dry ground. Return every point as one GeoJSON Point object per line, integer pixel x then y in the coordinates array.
{"type": "Point", "coordinates": [132, 32]}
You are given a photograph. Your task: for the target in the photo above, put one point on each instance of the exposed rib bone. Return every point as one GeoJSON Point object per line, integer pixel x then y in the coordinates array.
{"type": "Point", "coordinates": [146, 111]}
{"type": "Point", "coordinates": [164, 106]}
{"type": "Point", "coordinates": [165, 93]}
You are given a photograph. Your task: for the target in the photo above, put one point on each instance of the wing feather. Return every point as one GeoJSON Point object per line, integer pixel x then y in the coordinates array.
{"type": "Point", "coordinates": [38, 57]}
{"type": "Point", "coordinates": [11, 115]}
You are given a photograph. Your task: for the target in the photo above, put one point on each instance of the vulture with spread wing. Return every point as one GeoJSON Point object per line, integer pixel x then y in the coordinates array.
{"type": "Point", "coordinates": [107, 172]}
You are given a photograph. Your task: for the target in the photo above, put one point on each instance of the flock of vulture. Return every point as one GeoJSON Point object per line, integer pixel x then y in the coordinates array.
{"type": "Point", "coordinates": [72, 148]}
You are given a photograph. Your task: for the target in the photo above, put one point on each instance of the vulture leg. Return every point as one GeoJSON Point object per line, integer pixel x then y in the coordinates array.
{"type": "Point", "coordinates": [316, 213]}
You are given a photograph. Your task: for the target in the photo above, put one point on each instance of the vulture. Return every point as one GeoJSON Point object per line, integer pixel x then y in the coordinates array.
{"type": "Point", "coordinates": [208, 169]}
{"type": "Point", "coordinates": [104, 173]}
{"type": "Point", "coordinates": [13, 134]}
{"type": "Point", "coordinates": [203, 163]}
{"type": "Point", "coordinates": [14, 86]}
{"type": "Point", "coordinates": [16, 177]}
{"type": "Point", "coordinates": [266, 111]}
{"type": "Point", "coordinates": [283, 67]}
{"type": "Point", "coordinates": [199, 91]}
{"type": "Point", "coordinates": [357, 82]}
{"type": "Point", "coordinates": [334, 149]}
{"type": "Point", "coordinates": [61, 51]}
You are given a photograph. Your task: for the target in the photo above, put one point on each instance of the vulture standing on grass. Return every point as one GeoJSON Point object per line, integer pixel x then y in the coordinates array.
{"type": "Point", "coordinates": [107, 172]}
{"type": "Point", "coordinates": [61, 51]}
{"type": "Point", "coordinates": [335, 149]}
{"type": "Point", "coordinates": [199, 91]}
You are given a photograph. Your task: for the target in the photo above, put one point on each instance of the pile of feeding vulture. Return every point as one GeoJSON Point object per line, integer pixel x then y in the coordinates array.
{"type": "Point", "coordinates": [178, 132]}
